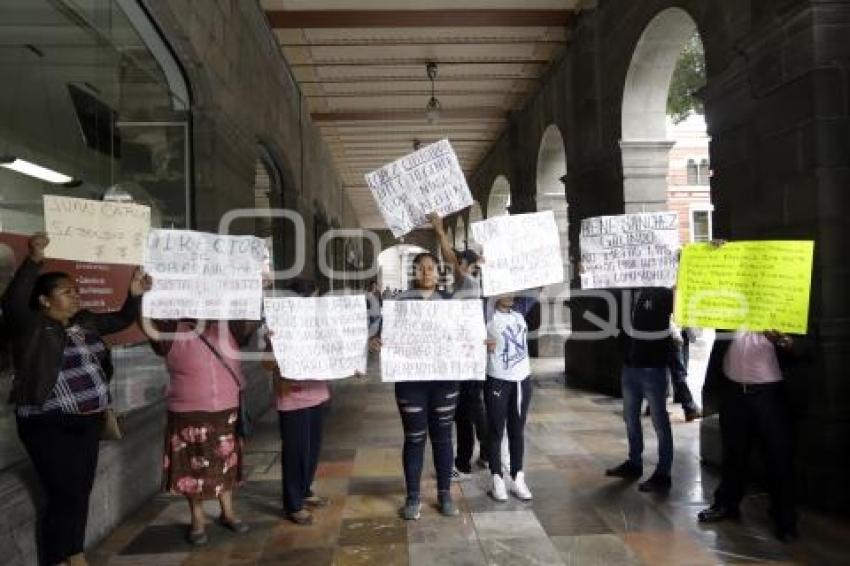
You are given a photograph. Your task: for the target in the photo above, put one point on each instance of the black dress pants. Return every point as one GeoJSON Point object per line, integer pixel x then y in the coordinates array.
{"type": "Point", "coordinates": [301, 439]}
{"type": "Point", "coordinates": [64, 451]}
{"type": "Point", "coordinates": [757, 415]}
{"type": "Point", "coordinates": [471, 423]}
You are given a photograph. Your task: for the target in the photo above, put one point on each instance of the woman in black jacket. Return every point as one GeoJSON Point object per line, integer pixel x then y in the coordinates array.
{"type": "Point", "coordinates": [62, 369]}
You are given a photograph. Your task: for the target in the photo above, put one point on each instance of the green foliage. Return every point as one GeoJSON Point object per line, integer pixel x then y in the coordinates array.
{"type": "Point", "coordinates": [688, 78]}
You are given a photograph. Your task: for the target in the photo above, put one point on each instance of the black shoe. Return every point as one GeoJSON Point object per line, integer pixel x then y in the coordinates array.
{"type": "Point", "coordinates": [657, 483]}
{"type": "Point", "coordinates": [717, 512]}
{"type": "Point", "coordinates": [693, 413]}
{"type": "Point", "coordinates": [626, 470]}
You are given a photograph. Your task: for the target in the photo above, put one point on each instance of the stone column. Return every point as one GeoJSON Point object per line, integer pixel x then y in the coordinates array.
{"type": "Point", "coordinates": [554, 323]}
{"type": "Point", "coordinates": [646, 164]}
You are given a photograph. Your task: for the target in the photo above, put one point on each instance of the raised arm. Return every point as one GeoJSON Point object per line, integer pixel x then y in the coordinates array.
{"type": "Point", "coordinates": [109, 323]}
{"type": "Point", "coordinates": [445, 246]}
{"type": "Point", "coordinates": [16, 307]}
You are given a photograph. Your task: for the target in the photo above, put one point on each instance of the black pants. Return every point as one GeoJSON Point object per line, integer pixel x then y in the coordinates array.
{"type": "Point", "coordinates": [471, 423]}
{"type": "Point", "coordinates": [759, 416]}
{"type": "Point", "coordinates": [427, 408]}
{"type": "Point", "coordinates": [64, 451]}
{"type": "Point", "coordinates": [504, 405]}
{"type": "Point", "coordinates": [301, 442]}
{"type": "Point", "coordinates": [677, 362]}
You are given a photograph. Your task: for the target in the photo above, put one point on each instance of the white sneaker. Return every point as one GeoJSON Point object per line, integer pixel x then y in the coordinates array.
{"type": "Point", "coordinates": [458, 476]}
{"type": "Point", "coordinates": [519, 489]}
{"type": "Point", "coordinates": [499, 492]}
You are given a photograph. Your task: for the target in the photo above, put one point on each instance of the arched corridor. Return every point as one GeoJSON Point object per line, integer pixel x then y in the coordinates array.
{"type": "Point", "coordinates": [301, 129]}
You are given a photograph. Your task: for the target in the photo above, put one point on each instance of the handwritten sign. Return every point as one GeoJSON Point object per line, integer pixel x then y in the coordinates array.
{"type": "Point", "coordinates": [522, 252]}
{"type": "Point", "coordinates": [318, 337]}
{"type": "Point", "coordinates": [204, 276]}
{"type": "Point", "coordinates": [96, 231]}
{"type": "Point", "coordinates": [433, 341]}
{"type": "Point", "coordinates": [752, 285]}
{"type": "Point", "coordinates": [409, 189]}
{"type": "Point", "coordinates": [630, 250]}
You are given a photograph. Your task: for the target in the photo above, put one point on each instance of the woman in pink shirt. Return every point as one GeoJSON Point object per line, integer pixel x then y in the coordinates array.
{"type": "Point", "coordinates": [300, 407]}
{"type": "Point", "coordinates": [203, 454]}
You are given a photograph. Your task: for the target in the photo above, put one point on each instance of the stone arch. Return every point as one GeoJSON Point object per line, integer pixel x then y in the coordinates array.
{"type": "Point", "coordinates": [644, 145]}
{"type": "Point", "coordinates": [499, 199]}
{"type": "Point", "coordinates": [551, 182]}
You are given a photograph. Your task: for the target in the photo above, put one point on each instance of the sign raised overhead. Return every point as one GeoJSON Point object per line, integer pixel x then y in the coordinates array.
{"type": "Point", "coordinates": [752, 285]}
{"type": "Point", "coordinates": [630, 250]}
{"type": "Point", "coordinates": [409, 189]}
{"type": "Point", "coordinates": [318, 337]}
{"type": "Point", "coordinates": [433, 341]}
{"type": "Point", "coordinates": [204, 276]}
{"type": "Point", "coordinates": [96, 231]}
{"type": "Point", "coordinates": [521, 252]}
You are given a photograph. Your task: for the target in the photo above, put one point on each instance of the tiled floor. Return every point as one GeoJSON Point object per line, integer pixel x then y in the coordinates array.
{"type": "Point", "coordinates": [578, 516]}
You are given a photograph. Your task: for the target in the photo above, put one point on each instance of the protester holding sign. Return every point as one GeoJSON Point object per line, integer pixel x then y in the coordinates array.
{"type": "Point", "coordinates": [203, 452]}
{"type": "Point", "coordinates": [426, 408]}
{"type": "Point", "coordinates": [644, 375]}
{"type": "Point", "coordinates": [747, 373]}
{"type": "Point", "coordinates": [62, 370]}
{"type": "Point", "coordinates": [507, 393]}
{"type": "Point", "coordinates": [469, 416]}
{"type": "Point", "coordinates": [300, 408]}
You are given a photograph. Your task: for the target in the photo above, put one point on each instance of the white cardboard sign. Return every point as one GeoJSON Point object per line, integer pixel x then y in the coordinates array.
{"type": "Point", "coordinates": [96, 231]}
{"type": "Point", "coordinates": [630, 250]}
{"type": "Point", "coordinates": [433, 341]}
{"type": "Point", "coordinates": [204, 276]}
{"type": "Point", "coordinates": [520, 252]}
{"type": "Point", "coordinates": [410, 188]}
{"type": "Point", "coordinates": [318, 337]}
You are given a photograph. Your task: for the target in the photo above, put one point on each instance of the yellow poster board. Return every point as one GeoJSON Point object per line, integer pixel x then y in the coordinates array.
{"type": "Point", "coordinates": [753, 285]}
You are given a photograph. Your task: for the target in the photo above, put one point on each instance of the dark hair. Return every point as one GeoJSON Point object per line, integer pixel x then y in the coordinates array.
{"type": "Point", "coordinates": [468, 256]}
{"type": "Point", "coordinates": [302, 287]}
{"type": "Point", "coordinates": [45, 284]}
{"type": "Point", "coordinates": [422, 255]}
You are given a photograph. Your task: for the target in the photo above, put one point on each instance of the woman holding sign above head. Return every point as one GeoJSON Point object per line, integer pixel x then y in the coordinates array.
{"type": "Point", "coordinates": [426, 408]}
{"type": "Point", "coordinates": [61, 391]}
{"type": "Point", "coordinates": [203, 448]}
{"type": "Point", "coordinates": [300, 408]}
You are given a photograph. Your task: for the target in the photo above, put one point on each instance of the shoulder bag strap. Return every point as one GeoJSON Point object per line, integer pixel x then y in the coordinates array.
{"type": "Point", "coordinates": [220, 358]}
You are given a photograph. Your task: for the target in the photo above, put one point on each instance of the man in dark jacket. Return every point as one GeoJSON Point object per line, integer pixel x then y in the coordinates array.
{"type": "Point", "coordinates": [746, 373]}
{"type": "Point", "coordinates": [647, 346]}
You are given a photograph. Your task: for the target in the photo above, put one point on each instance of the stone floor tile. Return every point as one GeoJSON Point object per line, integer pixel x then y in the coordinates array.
{"type": "Point", "coordinates": [282, 556]}
{"type": "Point", "coordinates": [377, 462]}
{"type": "Point", "coordinates": [440, 554]}
{"type": "Point", "coordinates": [507, 524]}
{"type": "Point", "coordinates": [520, 552]}
{"type": "Point", "coordinates": [382, 555]}
{"type": "Point", "coordinates": [440, 530]}
{"type": "Point", "coordinates": [372, 506]}
{"type": "Point", "coordinates": [367, 532]}
{"type": "Point", "coordinates": [673, 548]}
{"type": "Point", "coordinates": [595, 550]}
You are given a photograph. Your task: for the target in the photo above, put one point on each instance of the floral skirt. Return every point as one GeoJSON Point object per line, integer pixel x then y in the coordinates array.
{"type": "Point", "coordinates": [203, 455]}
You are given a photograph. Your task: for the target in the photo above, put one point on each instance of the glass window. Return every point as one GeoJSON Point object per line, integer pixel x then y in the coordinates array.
{"type": "Point", "coordinates": [700, 225]}
{"type": "Point", "coordinates": [91, 92]}
{"type": "Point", "coordinates": [693, 172]}
{"type": "Point", "coordinates": [704, 173]}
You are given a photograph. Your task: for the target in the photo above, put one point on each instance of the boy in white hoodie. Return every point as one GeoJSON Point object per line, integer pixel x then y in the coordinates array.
{"type": "Point", "coordinates": [507, 393]}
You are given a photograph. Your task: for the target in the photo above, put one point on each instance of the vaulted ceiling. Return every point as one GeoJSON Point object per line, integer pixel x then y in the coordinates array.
{"type": "Point", "coordinates": [362, 66]}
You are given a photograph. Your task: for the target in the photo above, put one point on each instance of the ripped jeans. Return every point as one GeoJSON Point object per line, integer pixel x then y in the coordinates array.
{"type": "Point", "coordinates": [427, 408]}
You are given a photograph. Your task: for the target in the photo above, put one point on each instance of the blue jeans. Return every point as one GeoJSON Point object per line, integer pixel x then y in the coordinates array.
{"type": "Point", "coordinates": [427, 408]}
{"type": "Point", "coordinates": [649, 383]}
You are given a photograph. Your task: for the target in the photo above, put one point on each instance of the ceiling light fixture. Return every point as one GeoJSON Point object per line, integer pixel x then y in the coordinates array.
{"type": "Point", "coordinates": [432, 109]}
{"type": "Point", "coordinates": [33, 170]}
